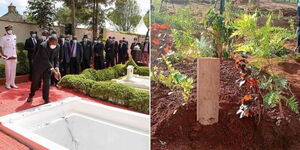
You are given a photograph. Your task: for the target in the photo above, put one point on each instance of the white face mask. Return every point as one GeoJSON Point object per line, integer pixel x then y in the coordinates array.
{"type": "Point", "coordinates": [33, 35]}
{"type": "Point", "coordinates": [43, 38]}
{"type": "Point", "coordinates": [9, 32]}
{"type": "Point", "coordinates": [52, 46]}
{"type": "Point", "coordinates": [54, 35]}
{"type": "Point", "coordinates": [74, 41]}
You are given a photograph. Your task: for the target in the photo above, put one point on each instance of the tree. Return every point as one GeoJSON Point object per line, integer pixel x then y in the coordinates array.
{"type": "Point", "coordinates": [87, 12]}
{"type": "Point", "coordinates": [63, 16]}
{"type": "Point", "coordinates": [126, 15]}
{"type": "Point", "coordinates": [147, 19]}
{"type": "Point", "coordinates": [41, 12]}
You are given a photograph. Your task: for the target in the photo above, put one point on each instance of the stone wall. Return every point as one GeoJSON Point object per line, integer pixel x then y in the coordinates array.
{"type": "Point", "coordinates": [22, 29]}
{"type": "Point", "coordinates": [119, 36]}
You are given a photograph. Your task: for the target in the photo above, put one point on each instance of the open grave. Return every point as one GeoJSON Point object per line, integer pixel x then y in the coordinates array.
{"type": "Point", "coordinates": [77, 124]}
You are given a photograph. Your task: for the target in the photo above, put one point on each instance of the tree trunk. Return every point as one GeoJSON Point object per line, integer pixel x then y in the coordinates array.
{"type": "Point", "coordinates": [73, 17]}
{"type": "Point", "coordinates": [94, 20]}
{"type": "Point", "coordinates": [219, 48]}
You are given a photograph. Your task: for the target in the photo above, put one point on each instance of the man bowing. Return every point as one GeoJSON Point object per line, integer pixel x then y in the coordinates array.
{"type": "Point", "coordinates": [46, 62]}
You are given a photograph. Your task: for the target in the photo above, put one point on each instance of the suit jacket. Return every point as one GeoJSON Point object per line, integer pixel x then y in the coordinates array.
{"type": "Point", "coordinates": [135, 44]}
{"type": "Point", "coordinates": [46, 58]}
{"type": "Point", "coordinates": [79, 51]}
{"type": "Point", "coordinates": [98, 49]}
{"type": "Point", "coordinates": [65, 50]}
{"type": "Point", "coordinates": [116, 47]}
{"type": "Point", "coordinates": [31, 47]}
{"type": "Point", "coordinates": [123, 47]}
{"type": "Point", "coordinates": [87, 50]}
{"type": "Point", "coordinates": [110, 48]}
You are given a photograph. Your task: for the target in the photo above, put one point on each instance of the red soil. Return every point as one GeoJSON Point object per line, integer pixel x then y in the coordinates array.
{"type": "Point", "coordinates": [174, 125]}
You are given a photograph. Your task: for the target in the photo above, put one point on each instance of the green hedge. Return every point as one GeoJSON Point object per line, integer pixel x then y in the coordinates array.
{"type": "Point", "coordinates": [22, 65]}
{"type": "Point", "coordinates": [98, 84]}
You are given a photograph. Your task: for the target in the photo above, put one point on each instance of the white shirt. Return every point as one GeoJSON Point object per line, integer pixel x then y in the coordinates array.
{"type": "Point", "coordinates": [34, 40]}
{"type": "Point", "coordinates": [74, 46]}
{"type": "Point", "coordinates": [8, 44]}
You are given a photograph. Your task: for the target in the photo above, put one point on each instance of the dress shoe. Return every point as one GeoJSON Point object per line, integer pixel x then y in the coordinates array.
{"type": "Point", "coordinates": [29, 99]}
{"type": "Point", "coordinates": [14, 86]}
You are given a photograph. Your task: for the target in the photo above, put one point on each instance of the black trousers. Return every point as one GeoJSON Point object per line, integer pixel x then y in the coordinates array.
{"type": "Point", "coordinates": [64, 68]}
{"type": "Point", "coordinates": [30, 61]}
{"type": "Point", "coordinates": [35, 83]}
{"type": "Point", "coordinates": [85, 64]}
{"type": "Point", "coordinates": [74, 66]}
{"type": "Point", "coordinates": [117, 57]}
{"type": "Point", "coordinates": [110, 60]}
{"type": "Point", "coordinates": [99, 62]}
{"type": "Point", "coordinates": [122, 58]}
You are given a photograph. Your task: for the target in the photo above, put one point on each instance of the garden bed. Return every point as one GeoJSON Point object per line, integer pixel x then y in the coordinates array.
{"type": "Point", "coordinates": [99, 84]}
{"type": "Point", "coordinates": [174, 124]}
{"type": "Point", "coordinates": [19, 79]}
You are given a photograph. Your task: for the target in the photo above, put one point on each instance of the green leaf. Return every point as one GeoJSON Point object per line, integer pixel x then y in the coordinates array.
{"type": "Point", "coordinates": [292, 103]}
{"type": "Point", "coordinates": [271, 99]}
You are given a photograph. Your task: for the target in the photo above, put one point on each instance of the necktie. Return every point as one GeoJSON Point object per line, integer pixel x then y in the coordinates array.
{"type": "Point", "coordinates": [72, 49]}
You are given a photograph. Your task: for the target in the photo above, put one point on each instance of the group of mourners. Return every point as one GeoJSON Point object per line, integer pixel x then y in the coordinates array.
{"type": "Point", "coordinates": [51, 56]}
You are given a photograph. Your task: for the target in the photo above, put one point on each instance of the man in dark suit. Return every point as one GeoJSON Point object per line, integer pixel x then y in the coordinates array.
{"type": "Point", "coordinates": [135, 50]}
{"type": "Point", "coordinates": [46, 62]}
{"type": "Point", "coordinates": [98, 54]}
{"type": "Point", "coordinates": [31, 45]}
{"type": "Point", "coordinates": [76, 55]}
{"type": "Point", "coordinates": [116, 49]}
{"type": "Point", "coordinates": [110, 53]}
{"type": "Point", "coordinates": [146, 51]}
{"type": "Point", "coordinates": [64, 54]}
{"type": "Point", "coordinates": [123, 48]}
{"type": "Point", "coordinates": [87, 52]}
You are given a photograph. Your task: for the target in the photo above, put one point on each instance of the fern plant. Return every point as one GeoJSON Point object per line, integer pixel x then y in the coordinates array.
{"type": "Point", "coordinates": [275, 85]}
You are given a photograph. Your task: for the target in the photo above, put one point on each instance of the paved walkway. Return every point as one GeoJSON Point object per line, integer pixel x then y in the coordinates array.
{"type": "Point", "coordinates": [14, 100]}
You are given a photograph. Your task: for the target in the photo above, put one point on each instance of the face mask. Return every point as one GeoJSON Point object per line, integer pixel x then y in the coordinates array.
{"type": "Point", "coordinates": [85, 39]}
{"type": "Point", "coordinates": [54, 35]}
{"type": "Point", "coordinates": [98, 41]}
{"type": "Point", "coordinates": [52, 46]}
{"type": "Point", "coordinates": [75, 41]}
{"type": "Point", "coordinates": [33, 35]}
{"type": "Point", "coordinates": [43, 38]}
{"type": "Point", "coordinates": [9, 32]}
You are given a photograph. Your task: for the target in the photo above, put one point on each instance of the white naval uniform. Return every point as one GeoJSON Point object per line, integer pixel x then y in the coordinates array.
{"type": "Point", "coordinates": [8, 44]}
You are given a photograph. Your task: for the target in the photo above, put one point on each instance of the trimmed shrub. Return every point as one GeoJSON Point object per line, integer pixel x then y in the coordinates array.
{"type": "Point", "coordinates": [22, 65]}
{"type": "Point", "coordinates": [98, 84]}
{"type": "Point", "coordinates": [2, 72]}
{"type": "Point", "coordinates": [20, 45]}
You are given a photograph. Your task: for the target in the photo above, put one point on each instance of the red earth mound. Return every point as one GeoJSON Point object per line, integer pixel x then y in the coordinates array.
{"type": "Point", "coordinates": [174, 125]}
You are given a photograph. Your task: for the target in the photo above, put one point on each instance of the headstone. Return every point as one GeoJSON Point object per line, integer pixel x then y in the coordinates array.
{"type": "Point", "coordinates": [129, 72]}
{"type": "Point", "coordinates": [208, 86]}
